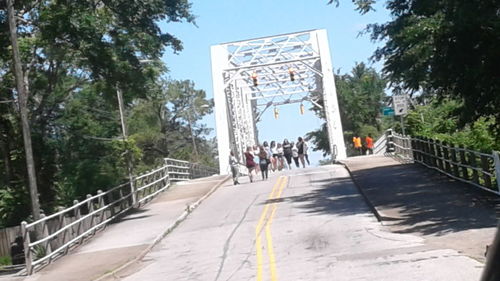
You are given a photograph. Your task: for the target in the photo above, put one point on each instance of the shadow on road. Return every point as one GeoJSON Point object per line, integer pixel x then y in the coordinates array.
{"type": "Point", "coordinates": [330, 196]}
{"type": "Point", "coordinates": [423, 200]}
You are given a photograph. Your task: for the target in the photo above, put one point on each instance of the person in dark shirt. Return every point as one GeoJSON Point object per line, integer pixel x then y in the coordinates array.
{"type": "Point", "coordinates": [287, 152]}
{"type": "Point", "coordinates": [301, 151]}
{"type": "Point", "coordinates": [264, 162]}
{"type": "Point", "coordinates": [17, 251]}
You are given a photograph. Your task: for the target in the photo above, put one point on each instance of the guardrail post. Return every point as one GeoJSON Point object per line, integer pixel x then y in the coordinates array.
{"type": "Point", "coordinates": [414, 149]}
{"type": "Point", "coordinates": [439, 155]}
{"type": "Point", "coordinates": [28, 258]}
{"type": "Point", "coordinates": [77, 217]}
{"type": "Point", "coordinates": [133, 190]}
{"type": "Point", "coordinates": [433, 153]}
{"type": "Point", "coordinates": [111, 199]}
{"type": "Point", "coordinates": [90, 208]}
{"type": "Point", "coordinates": [463, 161]}
{"type": "Point", "coordinates": [168, 173]}
{"type": "Point", "coordinates": [473, 163]}
{"type": "Point", "coordinates": [485, 166]}
{"type": "Point", "coordinates": [496, 160]}
{"type": "Point", "coordinates": [100, 204]}
{"type": "Point", "coordinates": [390, 141]}
{"type": "Point", "coordinates": [453, 152]}
{"type": "Point", "coordinates": [426, 151]}
{"type": "Point", "coordinates": [446, 157]}
{"type": "Point", "coordinates": [409, 147]}
{"type": "Point", "coordinates": [45, 233]}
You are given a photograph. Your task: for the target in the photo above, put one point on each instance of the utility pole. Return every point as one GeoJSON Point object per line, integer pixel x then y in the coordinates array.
{"type": "Point", "coordinates": [125, 137]}
{"type": "Point", "coordinates": [23, 109]}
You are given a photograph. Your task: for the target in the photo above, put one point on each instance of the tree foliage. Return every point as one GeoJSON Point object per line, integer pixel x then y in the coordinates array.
{"type": "Point", "coordinates": [360, 95]}
{"type": "Point", "coordinates": [166, 124]}
{"type": "Point", "coordinates": [443, 48]}
{"type": "Point", "coordinates": [75, 54]}
{"type": "Point", "coordinates": [437, 120]}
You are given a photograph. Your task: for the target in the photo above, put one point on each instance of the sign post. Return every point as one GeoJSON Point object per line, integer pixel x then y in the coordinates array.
{"type": "Point", "coordinates": [400, 103]}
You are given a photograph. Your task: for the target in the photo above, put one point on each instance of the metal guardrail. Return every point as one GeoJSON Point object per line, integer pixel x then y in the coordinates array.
{"type": "Point", "coordinates": [380, 145]}
{"type": "Point", "coordinates": [479, 169]}
{"type": "Point", "coordinates": [53, 236]}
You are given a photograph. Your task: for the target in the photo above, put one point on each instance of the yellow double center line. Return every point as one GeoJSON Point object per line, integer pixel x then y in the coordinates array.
{"type": "Point", "coordinates": [267, 218]}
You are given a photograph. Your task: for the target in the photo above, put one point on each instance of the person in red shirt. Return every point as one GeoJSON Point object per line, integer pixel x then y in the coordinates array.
{"type": "Point", "coordinates": [249, 162]}
{"type": "Point", "coordinates": [369, 144]}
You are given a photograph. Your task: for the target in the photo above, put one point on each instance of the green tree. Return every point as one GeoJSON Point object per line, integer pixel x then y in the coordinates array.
{"type": "Point", "coordinates": [444, 48]}
{"type": "Point", "coordinates": [437, 120]}
{"type": "Point", "coordinates": [360, 95]}
{"type": "Point", "coordinates": [167, 124]}
{"type": "Point", "coordinates": [74, 55]}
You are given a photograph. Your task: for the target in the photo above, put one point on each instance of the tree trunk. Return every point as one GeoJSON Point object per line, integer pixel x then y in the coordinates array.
{"type": "Point", "coordinates": [23, 109]}
{"type": "Point", "coordinates": [5, 148]}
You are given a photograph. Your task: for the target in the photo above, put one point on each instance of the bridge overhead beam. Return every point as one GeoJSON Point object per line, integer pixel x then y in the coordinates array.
{"type": "Point", "coordinates": [252, 75]}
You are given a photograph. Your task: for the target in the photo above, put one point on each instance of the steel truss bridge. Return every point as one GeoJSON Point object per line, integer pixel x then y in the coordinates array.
{"type": "Point", "coordinates": [254, 75]}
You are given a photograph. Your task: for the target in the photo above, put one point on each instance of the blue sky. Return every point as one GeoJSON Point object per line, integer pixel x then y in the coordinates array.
{"type": "Point", "coordinates": [224, 21]}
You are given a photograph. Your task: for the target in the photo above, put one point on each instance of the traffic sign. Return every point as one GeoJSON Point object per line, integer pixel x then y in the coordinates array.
{"type": "Point", "coordinates": [400, 104]}
{"type": "Point", "coordinates": [388, 111]}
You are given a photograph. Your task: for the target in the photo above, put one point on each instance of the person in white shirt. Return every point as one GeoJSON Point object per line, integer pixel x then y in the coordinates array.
{"type": "Point", "coordinates": [281, 157]}
{"type": "Point", "coordinates": [274, 156]}
{"type": "Point", "coordinates": [306, 155]}
{"type": "Point", "coordinates": [295, 154]}
{"type": "Point", "coordinates": [256, 152]}
{"type": "Point", "coordinates": [233, 163]}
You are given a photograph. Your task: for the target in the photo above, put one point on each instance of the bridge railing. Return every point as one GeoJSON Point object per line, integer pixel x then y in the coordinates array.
{"type": "Point", "coordinates": [380, 147]}
{"type": "Point", "coordinates": [476, 168]}
{"type": "Point", "coordinates": [54, 235]}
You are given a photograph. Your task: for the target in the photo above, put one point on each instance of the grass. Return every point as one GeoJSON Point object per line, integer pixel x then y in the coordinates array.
{"type": "Point", "coordinates": [5, 260]}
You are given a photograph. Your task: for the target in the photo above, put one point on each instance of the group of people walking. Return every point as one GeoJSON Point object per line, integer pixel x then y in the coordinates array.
{"type": "Point", "coordinates": [271, 156]}
{"type": "Point", "coordinates": [362, 148]}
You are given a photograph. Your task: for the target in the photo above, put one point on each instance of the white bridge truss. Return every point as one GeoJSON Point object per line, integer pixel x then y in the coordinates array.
{"type": "Point", "coordinates": [239, 103]}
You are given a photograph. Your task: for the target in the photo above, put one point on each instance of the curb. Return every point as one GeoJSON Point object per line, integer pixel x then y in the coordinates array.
{"type": "Point", "coordinates": [162, 235]}
{"type": "Point", "coordinates": [372, 207]}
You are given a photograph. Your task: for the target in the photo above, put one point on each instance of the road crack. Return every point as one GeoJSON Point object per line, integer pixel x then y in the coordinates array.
{"type": "Point", "coordinates": [230, 237]}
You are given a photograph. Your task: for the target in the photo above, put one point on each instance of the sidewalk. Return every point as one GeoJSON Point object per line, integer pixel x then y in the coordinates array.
{"type": "Point", "coordinates": [409, 198]}
{"type": "Point", "coordinates": [129, 237]}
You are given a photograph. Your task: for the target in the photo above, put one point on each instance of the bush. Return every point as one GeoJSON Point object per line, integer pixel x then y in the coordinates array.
{"type": "Point", "coordinates": [438, 121]}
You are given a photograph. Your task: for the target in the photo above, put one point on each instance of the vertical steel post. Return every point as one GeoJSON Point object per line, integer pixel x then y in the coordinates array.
{"type": "Point", "coordinates": [331, 106]}
{"type": "Point", "coordinates": [219, 56]}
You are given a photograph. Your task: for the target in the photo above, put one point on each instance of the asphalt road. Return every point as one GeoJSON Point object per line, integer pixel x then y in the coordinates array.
{"type": "Point", "coordinates": [304, 224]}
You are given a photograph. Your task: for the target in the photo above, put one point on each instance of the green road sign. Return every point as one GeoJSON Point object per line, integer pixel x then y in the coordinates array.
{"type": "Point", "coordinates": [388, 111]}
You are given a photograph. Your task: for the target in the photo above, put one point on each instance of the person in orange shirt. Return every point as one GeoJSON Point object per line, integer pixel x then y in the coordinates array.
{"type": "Point", "coordinates": [369, 144]}
{"type": "Point", "coordinates": [356, 140]}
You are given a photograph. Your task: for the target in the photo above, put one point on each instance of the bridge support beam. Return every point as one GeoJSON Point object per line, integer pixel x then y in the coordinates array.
{"type": "Point", "coordinates": [253, 75]}
{"type": "Point", "coordinates": [331, 105]}
{"type": "Point", "coordinates": [219, 62]}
